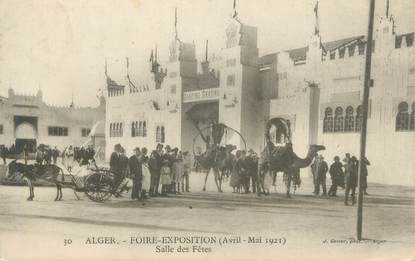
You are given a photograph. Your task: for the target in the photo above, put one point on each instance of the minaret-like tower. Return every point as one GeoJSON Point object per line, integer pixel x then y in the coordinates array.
{"type": "Point", "coordinates": [181, 77]}
{"type": "Point", "coordinates": [238, 100]}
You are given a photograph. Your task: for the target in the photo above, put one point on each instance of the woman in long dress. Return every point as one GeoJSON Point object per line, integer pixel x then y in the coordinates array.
{"type": "Point", "coordinates": [69, 158]}
{"type": "Point", "coordinates": [268, 180]}
{"type": "Point", "coordinates": [146, 178]}
{"type": "Point", "coordinates": [236, 176]}
{"type": "Point", "coordinates": [178, 168]}
{"type": "Point", "coordinates": [165, 176]}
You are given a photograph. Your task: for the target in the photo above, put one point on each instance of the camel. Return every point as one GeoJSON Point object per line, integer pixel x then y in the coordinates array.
{"type": "Point", "coordinates": [283, 159]}
{"type": "Point", "coordinates": [218, 159]}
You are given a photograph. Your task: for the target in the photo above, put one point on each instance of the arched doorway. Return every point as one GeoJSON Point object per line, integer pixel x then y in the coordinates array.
{"type": "Point", "coordinates": [26, 134]}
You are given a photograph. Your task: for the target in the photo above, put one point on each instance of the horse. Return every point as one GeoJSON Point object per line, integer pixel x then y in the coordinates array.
{"type": "Point", "coordinates": [49, 173]}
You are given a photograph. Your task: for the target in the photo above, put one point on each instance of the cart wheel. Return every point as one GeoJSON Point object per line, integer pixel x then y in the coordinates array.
{"type": "Point", "coordinates": [98, 186]}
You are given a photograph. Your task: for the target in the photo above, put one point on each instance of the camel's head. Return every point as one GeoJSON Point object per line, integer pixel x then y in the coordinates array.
{"type": "Point", "coordinates": [315, 148]}
{"type": "Point", "coordinates": [229, 147]}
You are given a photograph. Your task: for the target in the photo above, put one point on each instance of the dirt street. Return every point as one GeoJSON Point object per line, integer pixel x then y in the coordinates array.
{"type": "Point", "coordinates": [313, 228]}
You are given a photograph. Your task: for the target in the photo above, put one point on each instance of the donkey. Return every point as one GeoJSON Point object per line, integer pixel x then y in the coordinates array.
{"type": "Point", "coordinates": [49, 173]}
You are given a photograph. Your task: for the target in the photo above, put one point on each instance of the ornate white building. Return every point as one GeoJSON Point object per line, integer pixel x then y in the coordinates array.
{"type": "Point", "coordinates": [318, 88]}
{"type": "Point", "coordinates": [28, 120]}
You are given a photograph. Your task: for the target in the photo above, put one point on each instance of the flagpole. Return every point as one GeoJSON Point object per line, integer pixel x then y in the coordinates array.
{"type": "Point", "coordinates": [363, 133]}
{"type": "Point", "coordinates": [206, 54]}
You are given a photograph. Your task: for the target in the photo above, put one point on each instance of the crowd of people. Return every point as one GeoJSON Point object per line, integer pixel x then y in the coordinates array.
{"type": "Point", "coordinates": [344, 175]}
{"type": "Point", "coordinates": [46, 155]}
{"type": "Point", "coordinates": [244, 172]}
{"type": "Point", "coordinates": [5, 151]}
{"type": "Point", "coordinates": [166, 170]}
{"type": "Point", "coordinates": [165, 166]}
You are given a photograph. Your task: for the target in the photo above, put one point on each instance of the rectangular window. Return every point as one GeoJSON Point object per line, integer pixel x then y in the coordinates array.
{"type": "Point", "coordinates": [230, 62]}
{"type": "Point", "coordinates": [230, 80]}
{"type": "Point", "coordinates": [1, 129]}
{"type": "Point", "coordinates": [398, 42]}
{"type": "Point", "coordinates": [173, 89]}
{"type": "Point", "coordinates": [173, 74]}
{"type": "Point", "coordinates": [410, 39]}
{"type": "Point", "coordinates": [85, 132]}
{"type": "Point", "coordinates": [57, 131]}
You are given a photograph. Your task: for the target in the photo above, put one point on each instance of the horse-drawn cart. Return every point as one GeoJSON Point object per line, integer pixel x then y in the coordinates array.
{"type": "Point", "coordinates": [98, 183]}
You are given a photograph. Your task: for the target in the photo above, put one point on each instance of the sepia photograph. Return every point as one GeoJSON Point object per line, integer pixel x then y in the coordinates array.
{"type": "Point", "coordinates": [207, 130]}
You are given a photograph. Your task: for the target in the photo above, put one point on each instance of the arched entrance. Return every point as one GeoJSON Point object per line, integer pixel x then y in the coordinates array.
{"type": "Point", "coordinates": [26, 134]}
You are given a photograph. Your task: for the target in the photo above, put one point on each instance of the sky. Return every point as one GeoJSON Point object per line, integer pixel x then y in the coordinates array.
{"type": "Point", "coordinates": [60, 46]}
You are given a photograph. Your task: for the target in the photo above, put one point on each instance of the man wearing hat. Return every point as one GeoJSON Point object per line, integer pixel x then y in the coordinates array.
{"type": "Point", "coordinates": [251, 162]}
{"type": "Point", "coordinates": [134, 162]}
{"type": "Point", "coordinates": [154, 165]}
{"type": "Point", "coordinates": [337, 176]}
{"type": "Point", "coordinates": [116, 166]}
{"type": "Point", "coordinates": [321, 171]}
{"type": "Point", "coordinates": [350, 169]}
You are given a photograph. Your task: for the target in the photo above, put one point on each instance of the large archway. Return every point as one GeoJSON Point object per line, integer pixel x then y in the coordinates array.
{"type": "Point", "coordinates": [26, 135]}
{"type": "Point", "coordinates": [25, 130]}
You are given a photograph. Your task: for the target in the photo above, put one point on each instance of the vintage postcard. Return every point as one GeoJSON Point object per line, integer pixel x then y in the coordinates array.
{"type": "Point", "coordinates": [207, 130]}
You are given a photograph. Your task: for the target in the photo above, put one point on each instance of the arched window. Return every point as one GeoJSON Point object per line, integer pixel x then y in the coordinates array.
{"type": "Point", "coordinates": [349, 119]}
{"type": "Point", "coordinates": [328, 120]}
{"type": "Point", "coordinates": [158, 134]}
{"type": "Point", "coordinates": [338, 119]}
{"type": "Point", "coordinates": [412, 125]}
{"type": "Point", "coordinates": [140, 128]}
{"type": "Point", "coordinates": [121, 130]}
{"type": "Point", "coordinates": [163, 135]}
{"type": "Point", "coordinates": [133, 129]}
{"type": "Point", "coordinates": [136, 128]}
{"type": "Point", "coordinates": [144, 129]}
{"type": "Point", "coordinates": [111, 130]}
{"type": "Point", "coordinates": [402, 118]}
{"type": "Point", "coordinates": [359, 118]}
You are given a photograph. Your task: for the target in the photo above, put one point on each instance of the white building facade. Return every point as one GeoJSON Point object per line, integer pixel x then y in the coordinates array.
{"type": "Point", "coordinates": [318, 88]}
{"type": "Point", "coordinates": [28, 120]}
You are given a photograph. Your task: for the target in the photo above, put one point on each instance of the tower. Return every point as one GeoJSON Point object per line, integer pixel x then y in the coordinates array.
{"type": "Point", "coordinates": [238, 97]}
{"type": "Point", "coordinates": [181, 76]}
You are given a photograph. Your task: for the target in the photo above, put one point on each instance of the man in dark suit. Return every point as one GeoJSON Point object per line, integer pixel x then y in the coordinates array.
{"type": "Point", "coordinates": [136, 173]}
{"type": "Point", "coordinates": [55, 155]}
{"type": "Point", "coordinates": [321, 171]}
{"type": "Point", "coordinates": [251, 162]}
{"type": "Point", "coordinates": [116, 166]}
{"type": "Point", "coordinates": [154, 164]}
{"type": "Point", "coordinates": [337, 176]}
